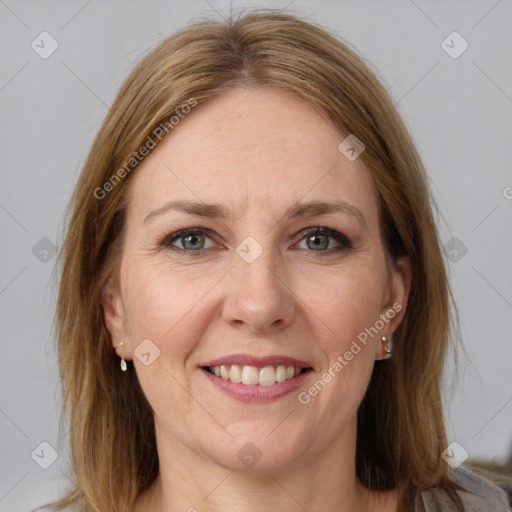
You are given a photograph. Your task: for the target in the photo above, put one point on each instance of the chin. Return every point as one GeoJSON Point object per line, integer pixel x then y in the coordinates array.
{"type": "Point", "coordinates": [257, 452]}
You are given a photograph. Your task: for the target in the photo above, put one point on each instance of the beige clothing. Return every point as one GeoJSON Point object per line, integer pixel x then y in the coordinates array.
{"type": "Point", "coordinates": [488, 497]}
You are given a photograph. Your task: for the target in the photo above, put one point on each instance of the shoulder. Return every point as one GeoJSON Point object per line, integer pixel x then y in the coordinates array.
{"type": "Point", "coordinates": [482, 495]}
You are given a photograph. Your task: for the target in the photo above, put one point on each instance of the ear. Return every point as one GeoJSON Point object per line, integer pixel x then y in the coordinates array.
{"type": "Point", "coordinates": [115, 320]}
{"type": "Point", "coordinates": [397, 295]}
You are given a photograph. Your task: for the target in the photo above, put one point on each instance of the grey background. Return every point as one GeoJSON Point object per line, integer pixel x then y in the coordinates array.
{"type": "Point", "coordinates": [459, 112]}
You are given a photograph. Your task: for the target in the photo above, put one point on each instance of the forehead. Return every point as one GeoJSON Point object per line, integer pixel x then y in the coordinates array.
{"type": "Point", "coordinates": [264, 149]}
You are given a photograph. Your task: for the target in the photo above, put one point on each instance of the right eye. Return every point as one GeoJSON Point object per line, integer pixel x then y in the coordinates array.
{"type": "Point", "coordinates": [191, 239]}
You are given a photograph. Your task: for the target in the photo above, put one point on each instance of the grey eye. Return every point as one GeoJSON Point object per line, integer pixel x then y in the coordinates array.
{"type": "Point", "coordinates": [317, 242]}
{"type": "Point", "coordinates": [189, 240]}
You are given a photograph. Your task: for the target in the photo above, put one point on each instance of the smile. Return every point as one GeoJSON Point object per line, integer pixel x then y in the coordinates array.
{"type": "Point", "coordinates": [253, 375]}
{"type": "Point", "coordinates": [256, 378]}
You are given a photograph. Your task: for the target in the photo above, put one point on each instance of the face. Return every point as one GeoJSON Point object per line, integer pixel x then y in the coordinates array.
{"type": "Point", "coordinates": [270, 283]}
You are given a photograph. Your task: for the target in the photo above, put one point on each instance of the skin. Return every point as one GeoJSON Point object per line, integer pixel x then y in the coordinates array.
{"type": "Point", "coordinates": [256, 152]}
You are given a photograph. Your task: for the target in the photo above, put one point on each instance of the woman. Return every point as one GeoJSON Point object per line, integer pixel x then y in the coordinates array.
{"type": "Point", "coordinates": [253, 308]}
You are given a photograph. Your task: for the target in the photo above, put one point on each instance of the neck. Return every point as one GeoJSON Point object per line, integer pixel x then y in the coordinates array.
{"type": "Point", "coordinates": [191, 481]}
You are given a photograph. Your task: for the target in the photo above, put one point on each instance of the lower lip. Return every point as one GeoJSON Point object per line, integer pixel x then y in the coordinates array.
{"type": "Point", "coordinates": [257, 393]}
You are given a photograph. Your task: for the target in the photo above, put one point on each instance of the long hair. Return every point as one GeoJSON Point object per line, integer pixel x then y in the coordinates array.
{"type": "Point", "coordinates": [401, 431]}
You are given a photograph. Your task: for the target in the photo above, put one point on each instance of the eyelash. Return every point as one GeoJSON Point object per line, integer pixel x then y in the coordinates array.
{"type": "Point", "coordinates": [345, 243]}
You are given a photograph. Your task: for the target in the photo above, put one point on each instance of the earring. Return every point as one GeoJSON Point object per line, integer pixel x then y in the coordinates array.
{"type": "Point", "coordinates": [124, 366]}
{"type": "Point", "coordinates": [388, 347]}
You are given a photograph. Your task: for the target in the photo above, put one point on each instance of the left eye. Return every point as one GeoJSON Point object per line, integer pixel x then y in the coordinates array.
{"type": "Point", "coordinates": [317, 239]}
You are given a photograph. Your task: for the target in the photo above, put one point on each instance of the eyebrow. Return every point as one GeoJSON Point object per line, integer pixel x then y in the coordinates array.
{"type": "Point", "coordinates": [298, 210]}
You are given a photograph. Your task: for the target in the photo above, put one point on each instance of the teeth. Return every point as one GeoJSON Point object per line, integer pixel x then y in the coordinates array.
{"type": "Point", "coordinates": [224, 372]}
{"type": "Point", "coordinates": [252, 375]}
{"type": "Point", "coordinates": [235, 374]}
{"type": "Point", "coordinates": [281, 373]}
{"type": "Point", "coordinates": [267, 376]}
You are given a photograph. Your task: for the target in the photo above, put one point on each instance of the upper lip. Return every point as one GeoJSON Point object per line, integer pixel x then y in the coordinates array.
{"type": "Point", "coordinates": [249, 360]}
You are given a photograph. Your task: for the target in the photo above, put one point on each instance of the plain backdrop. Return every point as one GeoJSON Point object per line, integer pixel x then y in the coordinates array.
{"type": "Point", "coordinates": [458, 107]}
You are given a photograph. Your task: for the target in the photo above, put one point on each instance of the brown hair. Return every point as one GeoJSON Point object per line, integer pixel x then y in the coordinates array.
{"type": "Point", "coordinates": [401, 432]}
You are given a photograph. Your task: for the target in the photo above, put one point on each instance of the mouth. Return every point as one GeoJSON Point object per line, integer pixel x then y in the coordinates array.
{"type": "Point", "coordinates": [256, 379]}
{"type": "Point", "coordinates": [252, 375]}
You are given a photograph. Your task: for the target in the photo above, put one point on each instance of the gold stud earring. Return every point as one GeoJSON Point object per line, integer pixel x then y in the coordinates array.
{"type": "Point", "coordinates": [388, 345]}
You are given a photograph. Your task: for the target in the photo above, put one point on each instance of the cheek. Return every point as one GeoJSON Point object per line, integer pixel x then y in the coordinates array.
{"type": "Point", "coordinates": [348, 303]}
{"type": "Point", "coordinates": [160, 300]}
{"type": "Point", "coordinates": [161, 307]}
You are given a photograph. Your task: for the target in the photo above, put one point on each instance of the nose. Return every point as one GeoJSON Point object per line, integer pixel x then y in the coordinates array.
{"type": "Point", "coordinates": [260, 295]}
